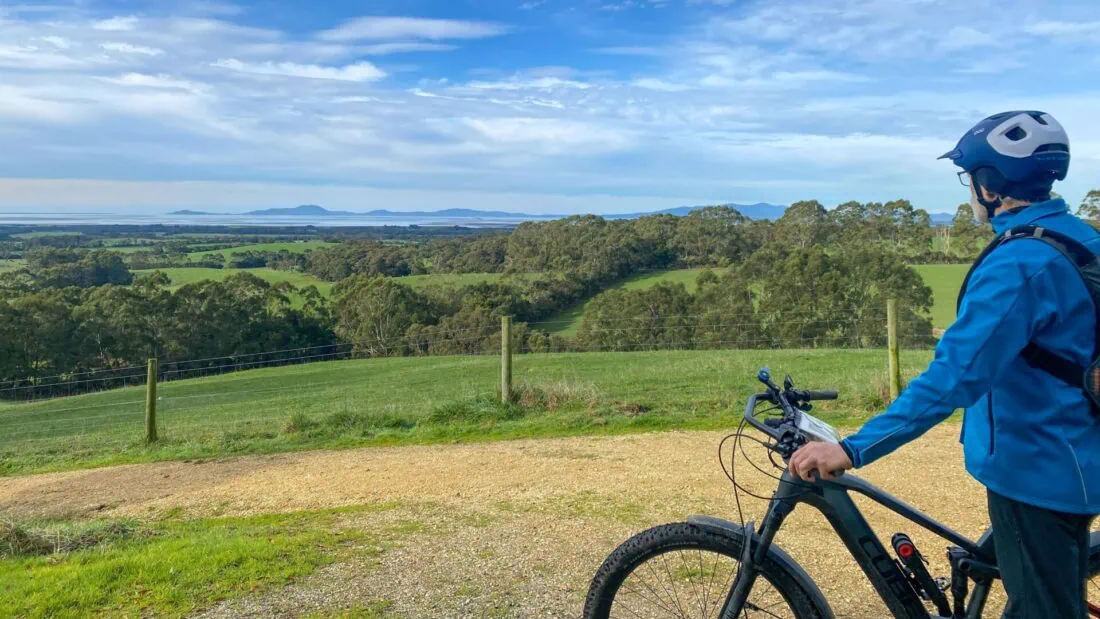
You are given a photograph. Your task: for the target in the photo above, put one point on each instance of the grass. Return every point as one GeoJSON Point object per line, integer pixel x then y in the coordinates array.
{"type": "Point", "coordinates": [448, 279]}
{"type": "Point", "coordinates": [294, 247]}
{"type": "Point", "coordinates": [44, 233]}
{"type": "Point", "coordinates": [944, 280]}
{"type": "Point", "coordinates": [176, 567]}
{"type": "Point", "coordinates": [183, 276]}
{"type": "Point", "coordinates": [568, 321]}
{"type": "Point", "coordinates": [10, 265]}
{"type": "Point", "coordinates": [425, 400]}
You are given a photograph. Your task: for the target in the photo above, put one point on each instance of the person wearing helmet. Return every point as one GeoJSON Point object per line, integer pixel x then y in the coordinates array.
{"type": "Point", "coordinates": [1030, 438]}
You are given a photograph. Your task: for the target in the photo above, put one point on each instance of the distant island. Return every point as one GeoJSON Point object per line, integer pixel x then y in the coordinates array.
{"type": "Point", "coordinates": [761, 210]}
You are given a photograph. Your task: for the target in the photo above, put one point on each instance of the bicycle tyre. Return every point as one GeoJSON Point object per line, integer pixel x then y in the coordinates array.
{"type": "Point", "coordinates": [649, 544]}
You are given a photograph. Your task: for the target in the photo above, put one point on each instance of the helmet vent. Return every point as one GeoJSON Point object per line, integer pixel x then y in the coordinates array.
{"type": "Point", "coordinates": [1052, 148]}
{"type": "Point", "coordinates": [1039, 118]}
{"type": "Point", "coordinates": [1016, 134]}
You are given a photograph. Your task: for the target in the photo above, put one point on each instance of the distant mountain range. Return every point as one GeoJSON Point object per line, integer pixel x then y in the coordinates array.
{"type": "Point", "coordinates": [760, 210]}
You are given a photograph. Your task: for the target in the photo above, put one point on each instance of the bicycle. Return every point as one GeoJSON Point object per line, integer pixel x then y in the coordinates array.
{"type": "Point", "coordinates": [902, 581]}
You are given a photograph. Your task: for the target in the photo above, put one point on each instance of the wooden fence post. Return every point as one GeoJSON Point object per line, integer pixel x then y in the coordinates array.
{"type": "Point", "coordinates": [505, 359]}
{"type": "Point", "coordinates": [892, 343]}
{"type": "Point", "coordinates": [151, 403]}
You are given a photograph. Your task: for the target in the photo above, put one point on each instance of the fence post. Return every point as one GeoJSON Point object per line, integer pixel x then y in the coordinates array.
{"type": "Point", "coordinates": [892, 336]}
{"type": "Point", "coordinates": [505, 359]}
{"type": "Point", "coordinates": [151, 403]}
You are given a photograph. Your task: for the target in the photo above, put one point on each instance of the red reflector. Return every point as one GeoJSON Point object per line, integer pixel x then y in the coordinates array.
{"type": "Point", "coordinates": [906, 550]}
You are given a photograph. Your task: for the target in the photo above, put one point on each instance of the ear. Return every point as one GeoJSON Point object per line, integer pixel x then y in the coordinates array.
{"type": "Point", "coordinates": [988, 195]}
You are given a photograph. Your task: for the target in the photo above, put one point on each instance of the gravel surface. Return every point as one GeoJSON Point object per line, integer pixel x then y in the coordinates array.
{"type": "Point", "coordinates": [509, 529]}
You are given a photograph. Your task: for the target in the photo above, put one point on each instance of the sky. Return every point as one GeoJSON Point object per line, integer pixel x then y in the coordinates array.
{"type": "Point", "coordinates": [538, 106]}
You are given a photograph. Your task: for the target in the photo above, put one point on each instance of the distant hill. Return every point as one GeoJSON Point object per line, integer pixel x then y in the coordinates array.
{"type": "Point", "coordinates": [760, 210]}
{"type": "Point", "coordinates": [306, 210]}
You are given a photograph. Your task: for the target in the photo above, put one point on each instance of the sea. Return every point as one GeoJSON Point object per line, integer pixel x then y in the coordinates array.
{"type": "Point", "coordinates": [72, 219]}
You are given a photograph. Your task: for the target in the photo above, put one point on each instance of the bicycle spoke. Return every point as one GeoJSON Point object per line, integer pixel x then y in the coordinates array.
{"type": "Point", "coordinates": [664, 561]}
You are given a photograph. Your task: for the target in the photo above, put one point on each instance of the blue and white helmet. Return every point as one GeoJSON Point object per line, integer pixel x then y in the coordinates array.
{"type": "Point", "coordinates": [1023, 146]}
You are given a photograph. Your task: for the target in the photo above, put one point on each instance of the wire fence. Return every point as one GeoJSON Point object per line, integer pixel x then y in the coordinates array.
{"type": "Point", "coordinates": [390, 389]}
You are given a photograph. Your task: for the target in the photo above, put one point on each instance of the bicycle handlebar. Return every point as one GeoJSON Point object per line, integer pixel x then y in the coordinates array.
{"type": "Point", "coordinates": [806, 396]}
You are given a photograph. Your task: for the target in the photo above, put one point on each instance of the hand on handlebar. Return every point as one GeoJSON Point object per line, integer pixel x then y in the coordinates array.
{"type": "Point", "coordinates": [824, 458]}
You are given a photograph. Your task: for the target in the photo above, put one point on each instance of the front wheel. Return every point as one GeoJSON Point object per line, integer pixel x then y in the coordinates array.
{"type": "Point", "coordinates": [685, 571]}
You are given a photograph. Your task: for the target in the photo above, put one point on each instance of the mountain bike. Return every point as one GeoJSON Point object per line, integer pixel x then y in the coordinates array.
{"type": "Point", "coordinates": [708, 567]}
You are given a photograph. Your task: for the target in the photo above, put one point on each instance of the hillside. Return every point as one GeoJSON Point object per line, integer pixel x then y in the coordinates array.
{"type": "Point", "coordinates": [294, 247]}
{"type": "Point", "coordinates": [183, 276]}
{"type": "Point", "coordinates": [426, 399]}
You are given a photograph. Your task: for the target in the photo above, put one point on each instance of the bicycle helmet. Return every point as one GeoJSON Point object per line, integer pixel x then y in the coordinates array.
{"type": "Point", "coordinates": [1017, 154]}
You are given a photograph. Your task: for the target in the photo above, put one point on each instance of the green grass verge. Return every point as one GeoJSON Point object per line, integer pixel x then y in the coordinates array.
{"type": "Point", "coordinates": [11, 265]}
{"type": "Point", "coordinates": [178, 568]}
{"type": "Point", "coordinates": [568, 321]}
{"type": "Point", "coordinates": [944, 280]}
{"type": "Point", "coordinates": [425, 400]}
{"type": "Point", "coordinates": [448, 279]}
{"type": "Point", "coordinates": [294, 247]}
{"type": "Point", "coordinates": [182, 276]}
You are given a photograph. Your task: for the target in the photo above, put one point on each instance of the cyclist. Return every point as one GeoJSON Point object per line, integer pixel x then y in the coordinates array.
{"type": "Point", "coordinates": [1028, 437]}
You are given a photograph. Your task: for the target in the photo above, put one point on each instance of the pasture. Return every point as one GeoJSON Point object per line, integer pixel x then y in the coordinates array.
{"type": "Point", "coordinates": [426, 399]}
{"type": "Point", "coordinates": [294, 247]}
{"type": "Point", "coordinates": [182, 276]}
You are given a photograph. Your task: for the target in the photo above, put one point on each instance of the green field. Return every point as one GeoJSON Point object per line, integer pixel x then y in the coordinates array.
{"type": "Point", "coordinates": [944, 280]}
{"type": "Point", "coordinates": [448, 279]}
{"type": "Point", "coordinates": [426, 399]}
{"type": "Point", "coordinates": [10, 265]}
{"type": "Point", "coordinates": [294, 247]}
{"type": "Point", "coordinates": [38, 235]}
{"type": "Point", "coordinates": [568, 321]}
{"type": "Point", "coordinates": [184, 276]}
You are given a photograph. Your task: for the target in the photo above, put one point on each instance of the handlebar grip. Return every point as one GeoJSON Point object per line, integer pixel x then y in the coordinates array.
{"type": "Point", "coordinates": [830, 394]}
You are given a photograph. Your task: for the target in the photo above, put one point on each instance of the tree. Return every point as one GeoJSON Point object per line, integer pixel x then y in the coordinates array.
{"type": "Point", "coordinates": [709, 236]}
{"type": "Point", "coordinates": [804, 224]}
{"type": "Point", "coordinates": [374, 313]}
{"type": "Point", "coordinates": [1090, 206]}
{"type": "Point", "coordinates": [657, 317]}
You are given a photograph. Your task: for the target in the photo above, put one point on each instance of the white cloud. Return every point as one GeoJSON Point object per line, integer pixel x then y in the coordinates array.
{"type": "Point", "coordinates": [384, 49]}
{"type": "Point", "coordinates": [358, 72]}
{"type": "Point", "coordinates": [126, 48]}
{"type": "Point", "coordinates": [534, 83]}
{"type": "Point", "coordinates": [1063, 28]}
{"type": "Point", "coordinates": [651, 83]}
{"type": "Point", "coordinates": [553, 135]}
{"type": "Point", "coordinates": [58, 42]}
{"type": "Point", "coordinates": [389, 28]}
{"type": "Point", "coordinates": [34, 57]}
{"type": "Point", "coordinates": [531, 4]}
{"type": "Point", "coordinates": [155, 81]}
{"type": "Point", "coordinates": [963, 37]}
{"type": "Point", "coordinates": [116, 24]}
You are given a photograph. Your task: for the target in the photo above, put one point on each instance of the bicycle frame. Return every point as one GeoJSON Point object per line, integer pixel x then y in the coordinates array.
{"type": "Point", "coordinates": [833, 499]}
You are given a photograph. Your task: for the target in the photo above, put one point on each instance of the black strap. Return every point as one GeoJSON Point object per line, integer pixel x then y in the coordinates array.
{"type": "Point", "coordinates": [1082, 258]}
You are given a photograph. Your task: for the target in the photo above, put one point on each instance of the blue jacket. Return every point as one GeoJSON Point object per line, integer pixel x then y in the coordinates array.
{"type": "Point", "coordinates": [1026, 435]}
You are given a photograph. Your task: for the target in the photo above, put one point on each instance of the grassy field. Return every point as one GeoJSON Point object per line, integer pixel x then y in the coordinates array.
{"type": "Point", "coordinates": [294, 247]}
{"type": "Point", "coordinates": [944, 280]}
{"type": "Point", "coordinates": [403, 400]}
{"type": "Point", "coordinates": [10, 265]}
{"type": "Point", "coordinates": [568, 321]}
{"type": "Point", "coordinates": [183, 276]}
{"type": "Point", "coordinates": [448, 279]}
{"type": "Point", "coordinates": [41, 234]}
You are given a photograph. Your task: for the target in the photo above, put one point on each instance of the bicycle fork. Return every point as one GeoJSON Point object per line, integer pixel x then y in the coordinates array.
{"type": "Point", "coordinates": [754, 553]}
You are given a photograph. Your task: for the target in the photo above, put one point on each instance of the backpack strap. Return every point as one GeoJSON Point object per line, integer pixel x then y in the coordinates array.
{"type": "Point", "coordinates": [1087, 265]}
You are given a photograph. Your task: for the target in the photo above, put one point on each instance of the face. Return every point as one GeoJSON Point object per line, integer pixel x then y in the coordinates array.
{"type": "Point", "coordinates": [980, 212]}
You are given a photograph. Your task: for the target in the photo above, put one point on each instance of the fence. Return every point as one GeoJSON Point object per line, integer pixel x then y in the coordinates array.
{"type": "Point", "coordinates": [186, 407]}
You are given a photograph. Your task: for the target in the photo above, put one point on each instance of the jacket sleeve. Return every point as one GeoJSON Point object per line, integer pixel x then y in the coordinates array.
{"type": "Point", "coordinates": [996, 321]}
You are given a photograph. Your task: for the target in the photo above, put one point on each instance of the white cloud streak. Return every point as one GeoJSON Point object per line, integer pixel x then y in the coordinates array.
{"type": "Point", "coordinates": [358, 72]}
{"type": "Point", "coordinates": [391, 28]}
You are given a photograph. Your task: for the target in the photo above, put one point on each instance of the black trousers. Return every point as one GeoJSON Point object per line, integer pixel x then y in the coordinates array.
{"type": "Point", "coordinates": [1043, 556]}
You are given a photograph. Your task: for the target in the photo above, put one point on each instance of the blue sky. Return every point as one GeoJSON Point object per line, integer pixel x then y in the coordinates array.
{"type": "Point", "coordinates": [558, 106]}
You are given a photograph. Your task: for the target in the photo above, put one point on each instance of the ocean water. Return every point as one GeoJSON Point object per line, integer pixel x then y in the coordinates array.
{"type": "Point", "coordinates": [61, 219]}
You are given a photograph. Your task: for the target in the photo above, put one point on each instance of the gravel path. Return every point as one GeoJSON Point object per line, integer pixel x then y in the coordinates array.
{"type": "Point", "coordinates": [509, 529]}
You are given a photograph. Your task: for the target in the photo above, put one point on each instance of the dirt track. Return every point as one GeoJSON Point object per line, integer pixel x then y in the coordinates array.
{"type": "Point", "coordinates": [510, 529]}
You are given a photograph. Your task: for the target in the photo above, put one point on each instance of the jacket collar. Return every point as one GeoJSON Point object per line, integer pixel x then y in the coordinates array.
{"type": "Point", "coordinates": [1028, 214]}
